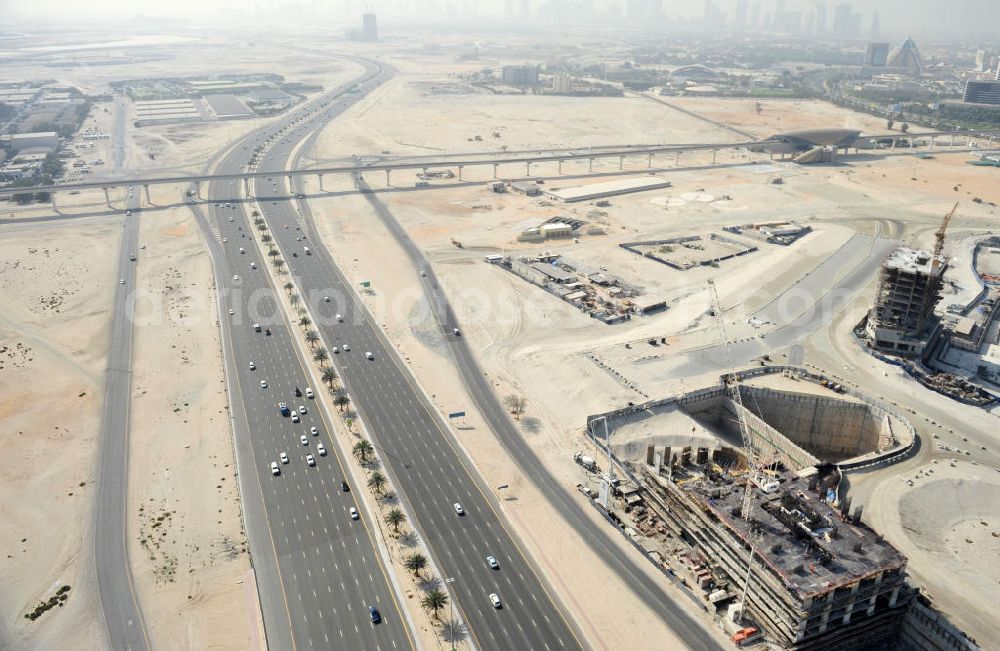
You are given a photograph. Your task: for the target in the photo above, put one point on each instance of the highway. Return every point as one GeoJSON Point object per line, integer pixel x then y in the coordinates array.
{"type": "Point", "coordinates": [418, 451]}
{"type": "Point", "coordinates": [486, 401]}
{"type": "Point", "coordinates": [317, 570]}
{"type": "Point", "coordinates": [122, 613]}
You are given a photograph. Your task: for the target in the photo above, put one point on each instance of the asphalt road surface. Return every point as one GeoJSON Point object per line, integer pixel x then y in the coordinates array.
{"type": "Point", "coordinates": [122, 614]}
{"type": "Point", "coordinates": [317, 570]}
{"type": "Point", "coordinates": [427, 471]}
{"type": "Point", "coordinates": [674, 615]}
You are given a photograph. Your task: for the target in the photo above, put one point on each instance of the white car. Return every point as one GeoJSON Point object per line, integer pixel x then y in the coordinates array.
{"type": "Point", "coordinates": [225, 239]}
{"type": "Point", "coordinates": [302, 409]}
{"type": "Point", "coordinates": [369, 355]}
{"type": "Point", "coordinates": [335, 350]}
{"type": "Point", "coordinates": [354, 513]}
{"type": "Point", "coordinates": [346, 347]}
{"type": "Point", "coordinates": [310, 460]}
{"type": "Point", "coordinates": [275, 470]}
{"type": "Point", "coordinates": [495, 600]}
{"type": "Point", "coordinates": [326, 299]}
{"type": "Point", "coordinates": [304, 440]}
{"type": "Point", "coordinates": [458, 508]}
{"type": "Point", "coordinates": [340, 318]}
{"type": "Point", "coordinates": [121, 281]}
{"type": "Point", "coordinates": [253, 265]}
{"type": "Point", "coordinates": [283, 457]}
{"type": "Point", "coordinates": [309, 392]}
{"type": "Point", "coordinates": [235, 277]}
{"type": "Point", "coordinates": [263, 384]}
{"type": "Point", "coordinates": [321, 449]}
{"type": "Point", "coordinates": [314, 431]}
{"type": "Point", "coordinates": [295, 417]}
{"type": "Point", "coordinates": [231, 312]}
{"type": "Point", "coordinates": [492, 562]}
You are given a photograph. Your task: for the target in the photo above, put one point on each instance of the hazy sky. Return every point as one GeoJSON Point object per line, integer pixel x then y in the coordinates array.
{"type": "Point", "coordinates": [896, 16]}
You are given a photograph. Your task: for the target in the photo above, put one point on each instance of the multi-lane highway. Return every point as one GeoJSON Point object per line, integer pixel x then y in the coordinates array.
{"type": "Point", "coordinates": [673, 614]}
{"type": "Point", "coordinates": [317, 569]}
{"type": "Point", "coordinates": [122, 614]}
{"type": "Point", "coordinates": [429, 473]}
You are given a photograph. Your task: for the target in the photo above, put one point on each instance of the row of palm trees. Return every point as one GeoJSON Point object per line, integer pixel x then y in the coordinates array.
{"type": "Point", "coordinates": [434, 600]}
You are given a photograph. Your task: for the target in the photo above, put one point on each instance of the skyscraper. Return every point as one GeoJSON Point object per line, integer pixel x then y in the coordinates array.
{"type": "Point", "coordinates": [755, 15]}
{"type": "Point", "coordinates": [876, 31]}
{"type": "Point", "coordinates": [998, 69]}
{"type": "Point", "coordinates": [843, 20]}
{"type": "Point", "coordinates": [741, 15]}
{"type": "Point", "coordinates": [369, 27]}
{"type": "Point", "coordinates": [820, 18]}
{"type": "Point", "coordinates": [779, 15]}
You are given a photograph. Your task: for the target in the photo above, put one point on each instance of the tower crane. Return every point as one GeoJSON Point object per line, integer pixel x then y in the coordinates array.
{"type": "Point", "coordinates": [939, 237]}
{"type": "Point", "coordinates": [733, 388]}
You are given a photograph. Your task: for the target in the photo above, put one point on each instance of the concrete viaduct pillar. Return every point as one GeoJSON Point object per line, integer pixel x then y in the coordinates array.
{"type": "Point", "coordinates": [892, 147]}
{"type": "Point", "coordinates": [496, 170]}
{"type": "Point", "coordinates": [590, 168]}
{"type": "Point", "coordinates": [952, 144]}
{"type": "Point", "coordinates": [677, 159]}
{"type": "Point", "coordinates": [460, 172]}
{"type": "Point", "coordinates": [714, 152]}
{"type": "Point", "coordinates": [649, 161]}
{"type": "Point", "coordinates": [321, 183]}
{"type": "Point", "coordinates": [246, 185]}
{"type": "Point", "coordinates": [145, 186]}
{"type": "Point", "coordinates": [621, 162]}
{"type": "Point", "coordinates": [107, 197]}
{"type": "Point", "coordinates": [932, 142]}
{"type": "Point", "coordinates": [527, 168]}
{"type": "Point", "coordinates": [560, 167]}
{"type": "Point", "coordinates": [388, 181]}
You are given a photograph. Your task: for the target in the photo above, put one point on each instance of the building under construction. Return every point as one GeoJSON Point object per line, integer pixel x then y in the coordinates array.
{"type": "Point", "coordinates": [817, 581]}
{"type": "Point", "coordinates": [909, 286]}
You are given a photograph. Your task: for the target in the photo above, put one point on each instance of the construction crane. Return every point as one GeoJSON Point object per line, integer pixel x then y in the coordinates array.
{"type": "Point", "coordinates": [939, 237]}
{"type": "Point", "coordinates": [753, 461]}
{"type": "Point", "coordinates": [733, 387]}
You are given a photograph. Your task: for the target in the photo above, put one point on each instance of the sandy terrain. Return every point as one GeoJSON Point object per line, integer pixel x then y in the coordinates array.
{"type": "Point", "coordinates": [187, 545]}
{"type": "Point", "coordinates": [183, 494]}
{"type": "Point", "coordinates": [532, 343]}
{"type": "Point", "coordinates": [780, 115]}
{"type": "Point", "coordinates": [56, 286]}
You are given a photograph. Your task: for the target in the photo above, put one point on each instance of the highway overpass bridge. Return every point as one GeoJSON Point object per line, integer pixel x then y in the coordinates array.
{"type": "Point", "coordinates": [362, 165]}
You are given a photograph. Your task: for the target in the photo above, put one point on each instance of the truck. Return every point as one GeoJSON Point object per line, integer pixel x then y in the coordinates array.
{"type": "Point", "coordinates": [587, 462]}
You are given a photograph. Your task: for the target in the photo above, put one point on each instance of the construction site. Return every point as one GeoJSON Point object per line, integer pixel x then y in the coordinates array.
{"type": "Point", "coordinates": [734, 491]}
{"type": "Point", "coordinates": [683, 253]}
{"type": "Point", "coordinates": [601, 295]}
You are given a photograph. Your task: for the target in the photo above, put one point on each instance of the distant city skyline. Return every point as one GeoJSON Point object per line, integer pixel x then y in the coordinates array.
{"type": "Point", "coordinates": [895, 17]}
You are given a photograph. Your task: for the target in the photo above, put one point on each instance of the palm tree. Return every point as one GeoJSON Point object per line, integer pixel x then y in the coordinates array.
{"type": "Point", "coordinates": [279, 263]}
{"type": "Point", "coordinates": [273, 252]}
{"type": "Point", "coordinates": [415, 562]}
{"type": "Point", "coordinates": [321, 356]}
{"type": "Point", "coordinates": [289, 287]}
{"type": "Point", "coordinates": [265, 238]}
{"type": "Point", "coordinates": [305, 321]}
{"type": "Point", "coordinates": [377, 482]}
{"type": "Point", "coordinates": [255, 214]}
{"type": "Point", "coordinates": [312, 337]}
{"type": "Point", "coordinates": [329, 375]}
{"type": "Point", "coordinates": [341, 401]}
{"type": "Point", "coordinates": [434, 600]}
{"type": "Point", "coordinates": [394, 518]}
{"type": "Point", "coordinates": [362, 450]}
{"type": "Point", "coordinates": [294, 299]}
